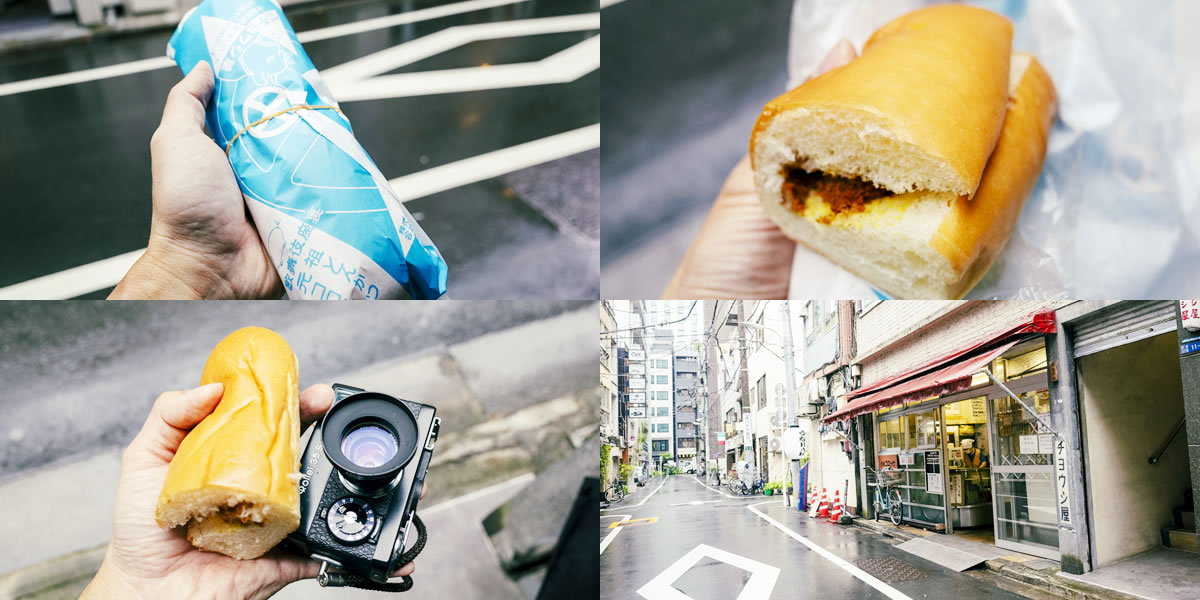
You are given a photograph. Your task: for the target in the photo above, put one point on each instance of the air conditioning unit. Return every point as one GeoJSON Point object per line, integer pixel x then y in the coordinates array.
{"type": "Point", "coordinates": [776, 445]}
{"type": "Point", "coordinates": [775, 422]}
{"type": "Point", "coordinates": [815, 393]}
{"type": "Point", "coordinates": [808, 411]}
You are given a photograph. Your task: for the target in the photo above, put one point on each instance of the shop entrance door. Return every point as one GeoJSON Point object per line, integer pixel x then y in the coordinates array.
{"type": "Point", "coordinates": [968, 465]}
{"type": "Point", "coordinates": [1023, 474]}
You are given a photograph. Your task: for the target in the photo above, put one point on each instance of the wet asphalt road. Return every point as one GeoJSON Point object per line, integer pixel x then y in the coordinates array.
{"type": "Point", "coordinates": [75, 159]}
{"type": "Point", "coordinates": [639, 553]}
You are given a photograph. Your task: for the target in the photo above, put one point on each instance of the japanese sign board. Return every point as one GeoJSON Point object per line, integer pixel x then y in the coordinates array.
{"type": "Point", "coordinates": [637, 355]}
{"type": "Point", "coordinates": [637, 412]}
{"type": "Point", "coordinates": [637, 383]}
{"type": "Point", "coordinates": [1189, 346]}
{"type": "Point", "coordinates": [933, 472]}
{"type": "Point", "coordinates": [1189, 311]}
{"type": "Point", "coordinates": [637, 398]}
{"type": "Point", "coordinates": [1061, 482]}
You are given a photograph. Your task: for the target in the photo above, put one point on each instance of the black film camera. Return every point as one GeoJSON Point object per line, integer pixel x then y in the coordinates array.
{"type": "Point", "coordinates": [362, 471]}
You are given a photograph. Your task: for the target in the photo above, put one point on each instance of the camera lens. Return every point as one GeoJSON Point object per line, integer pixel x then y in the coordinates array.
{"type": "Point", "coordinates": [369, 446]}
{"type": "Point", "coordinates": [369, 437]}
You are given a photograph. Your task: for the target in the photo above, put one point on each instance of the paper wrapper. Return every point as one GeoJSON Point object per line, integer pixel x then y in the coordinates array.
{"type": "Point", "coordinates": [331, 223]}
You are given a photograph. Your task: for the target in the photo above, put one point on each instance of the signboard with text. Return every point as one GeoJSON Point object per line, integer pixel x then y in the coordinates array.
{"type": "Point", "coordinates": [637, 355]}
{"type": "Point", "coordinates": [637, 383]}
{"type": "Point", "coordinates": [1189, 312]}
{"type": "Point", "coordinates": [1061, 489]}
{"type": "Point", "coordinates": [637, 412]}
{"type": "Point", "coordinates": [637, 398]}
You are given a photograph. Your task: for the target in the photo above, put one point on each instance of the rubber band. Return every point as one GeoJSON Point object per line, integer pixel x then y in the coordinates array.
{"type": "Point", "coordinates": [229, 146]}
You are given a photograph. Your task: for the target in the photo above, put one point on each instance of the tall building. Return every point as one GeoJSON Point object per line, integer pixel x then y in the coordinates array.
{"type": "Point", "coordinates": [686, 372]}
{"type": "Point", "coordinates": [659, 393]}
{"type": "Point", "coordinates": [611, 407]}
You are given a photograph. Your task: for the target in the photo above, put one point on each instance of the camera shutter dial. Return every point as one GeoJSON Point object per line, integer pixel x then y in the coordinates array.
{"type": "Point", "coordinates": [351, 520]}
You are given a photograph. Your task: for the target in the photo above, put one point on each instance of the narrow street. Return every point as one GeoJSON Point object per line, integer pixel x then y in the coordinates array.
{"type": "Point", "coordinates": [709, 545]}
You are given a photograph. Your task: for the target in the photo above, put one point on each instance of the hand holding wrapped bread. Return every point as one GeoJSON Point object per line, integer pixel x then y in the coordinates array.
{"type": "Point", "coordinates": [233, 480]}
{"type": "Point", "coordinates": [909, 166]}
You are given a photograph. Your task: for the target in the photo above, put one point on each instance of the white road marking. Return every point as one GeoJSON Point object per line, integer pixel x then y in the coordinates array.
{"type": "Point", "coordinates": [608, 539]}
{"type": "Point", "coordinates": [435, 43]}
{"type": "Point", "coordinates": [639, 503]}
{"type": "Point", "coordinates": [494, 164]}
{"type": "Point", "coordinates": [562, 67]}
{"type": "Point", "coordinates": [869, 579]}
{"type": "Point", "coordinates": [108, 272]}
{"type": "Point", "coordinates": [73, 282]}
{"type": "Point", "coordinates": [160, 62]}
{"type": "Point", "coordinates": [758, 586]}
{"type": "Point", "coordinates": [721, 492]}
{"type": "Point", "coordinates": [608, 3]}
{"type": "Point", "coordinates": [695, 502]}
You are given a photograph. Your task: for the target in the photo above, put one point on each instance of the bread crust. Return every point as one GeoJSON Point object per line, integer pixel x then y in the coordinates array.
{"type": "Point", "coordinates": [937, 76]}
{"type": "Point", "coordinates": [247, 450]}
{"type": "Point", "coordinates": [975, 230]}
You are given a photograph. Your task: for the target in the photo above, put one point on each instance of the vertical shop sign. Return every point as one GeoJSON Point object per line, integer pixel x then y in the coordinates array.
{"type": "Point", "coordinates": [1061, 482]}
{"type": "Point", "coordinates": [933, 472]}
{"type": "Point", "coordinates": [1190, 311]}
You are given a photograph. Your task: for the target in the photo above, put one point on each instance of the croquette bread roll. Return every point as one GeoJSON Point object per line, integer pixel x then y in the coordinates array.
{"type": "Point", "coordinates": [910, 165]}
{"type": "Point", "coordinates": [232, 481]}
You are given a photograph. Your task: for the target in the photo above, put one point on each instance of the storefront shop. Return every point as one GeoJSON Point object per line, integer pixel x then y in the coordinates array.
{"type": "Point", "coordinates": [975, 460]}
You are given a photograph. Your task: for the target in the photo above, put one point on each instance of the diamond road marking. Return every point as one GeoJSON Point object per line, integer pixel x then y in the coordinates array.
{"type": "Point", "coordinates": [759, 586]}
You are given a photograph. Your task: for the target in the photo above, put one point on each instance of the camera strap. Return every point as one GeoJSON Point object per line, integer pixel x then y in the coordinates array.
{"type": "Point", "coordinates": [326, 579]}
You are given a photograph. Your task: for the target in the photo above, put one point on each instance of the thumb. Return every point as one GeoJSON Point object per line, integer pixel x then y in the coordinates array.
{"type": "Point", "coordinates": [184, 111]}
{"type": "Point", "coordinates": [173, 415]}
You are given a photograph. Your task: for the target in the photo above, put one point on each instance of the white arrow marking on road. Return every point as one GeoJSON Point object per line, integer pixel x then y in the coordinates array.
{"type": "Point", "coordinates": [162, 62]}
{"type": "Point", "coordinates": [759, 586]}
{"type": "Point", "coordinates": [101, 274]}
{"type": "Point", "coordinates": [450, 38]}
{"type": "Point", "coordinates": [870, 580]}
{"type": "Point", "coordinates": [608, 539]}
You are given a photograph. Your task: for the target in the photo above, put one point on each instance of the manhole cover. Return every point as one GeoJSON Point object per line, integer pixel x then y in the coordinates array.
{"type": "Point", "coordinates": [890, 570]}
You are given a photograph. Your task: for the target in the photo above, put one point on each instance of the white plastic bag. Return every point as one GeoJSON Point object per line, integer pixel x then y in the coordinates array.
{"type": "Point", "coordinates": [1116, 212]}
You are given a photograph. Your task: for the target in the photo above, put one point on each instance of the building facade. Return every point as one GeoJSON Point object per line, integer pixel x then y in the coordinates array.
{"type": "Point", "coordinates": [611, 404]}
{"type": "Point", "coordinates": [660, 396]}
{"type": "Point", "coordinates": [686, 374]}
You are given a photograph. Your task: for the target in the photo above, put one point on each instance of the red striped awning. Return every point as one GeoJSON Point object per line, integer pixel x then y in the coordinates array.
{"type": "Point", "coordinates": [945, 380]}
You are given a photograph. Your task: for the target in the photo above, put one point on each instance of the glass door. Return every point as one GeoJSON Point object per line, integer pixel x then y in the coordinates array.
{"type": "Point", "coordinates": [1023, 475]}
{"type": "Point", "coordinates": [968, 463]}
{"type": "Point", "coordinates": [923, 487]}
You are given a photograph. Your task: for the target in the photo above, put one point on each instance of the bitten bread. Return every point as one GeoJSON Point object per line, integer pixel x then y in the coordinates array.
{"type": "Point", "coordinates": [909, 166]}
{"type": "Point", "coordinates": [233, 479]}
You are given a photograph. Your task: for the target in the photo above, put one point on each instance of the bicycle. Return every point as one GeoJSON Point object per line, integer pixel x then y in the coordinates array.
{"type": "Point", "coordinates": [889, 501]}
{"type": "Point", "coordinates": [756, 487]}
{"type": "Point", "coordinates": [616, 492]}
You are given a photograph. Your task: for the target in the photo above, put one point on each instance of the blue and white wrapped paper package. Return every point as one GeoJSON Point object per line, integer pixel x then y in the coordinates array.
{"type": "Point", "coordinates": [330, 221]}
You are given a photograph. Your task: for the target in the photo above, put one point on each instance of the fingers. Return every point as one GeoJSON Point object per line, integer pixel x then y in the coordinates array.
{"type": "Point", "coordinates": [841, 54]}
{"type": "Point", "coordinates": [405, 570]}
{"type": "Point", "coordinates": [184, 111]}
{"type": "Point", "coordinates": [314, 403]}
{"type": "Point", "coordinates": [173, 415]}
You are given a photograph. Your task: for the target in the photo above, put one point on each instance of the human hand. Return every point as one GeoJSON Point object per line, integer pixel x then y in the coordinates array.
{"type": "Point", "coordinates": [203, 244]}
{"type": "Point", "coordinates": [145, 561]}
{"type": "Point", "coordinates": [739, 251]}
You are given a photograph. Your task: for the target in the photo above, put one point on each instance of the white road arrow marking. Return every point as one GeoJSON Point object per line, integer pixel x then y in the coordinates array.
{"type": "Point", "coordinates": [759, 586]}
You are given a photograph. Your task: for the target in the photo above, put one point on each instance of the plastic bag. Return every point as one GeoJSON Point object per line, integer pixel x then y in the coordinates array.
{"type": "Point", "coordinates": [331, 223]}
{"type": "Point", "coordinates": [1116, 212]}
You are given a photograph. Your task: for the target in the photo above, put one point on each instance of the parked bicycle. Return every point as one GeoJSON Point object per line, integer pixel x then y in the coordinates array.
{"type": "Point", "coordinates": [616, 492]}
{"type": "Point", "coordinates": [888, 500]}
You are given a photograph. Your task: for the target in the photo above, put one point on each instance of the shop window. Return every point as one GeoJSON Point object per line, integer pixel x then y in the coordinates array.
{"type": "Point", "coordinates": [889, 435]}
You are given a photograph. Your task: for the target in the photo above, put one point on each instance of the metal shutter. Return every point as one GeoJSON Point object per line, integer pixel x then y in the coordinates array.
{"type": "Point", "coordinates": [1123, 323]}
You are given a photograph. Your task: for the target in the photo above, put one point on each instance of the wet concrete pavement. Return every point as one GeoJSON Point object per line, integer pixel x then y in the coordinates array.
{"type": "Point", "coordinates": [689, 514]}
{"type": "Point", "coordinates": [75, 161]}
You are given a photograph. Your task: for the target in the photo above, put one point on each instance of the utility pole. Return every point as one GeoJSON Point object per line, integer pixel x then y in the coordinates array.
{"type": "Point", "coordinates": [789, 378]}
{"type": "Point", "coordinates": [744, 384]}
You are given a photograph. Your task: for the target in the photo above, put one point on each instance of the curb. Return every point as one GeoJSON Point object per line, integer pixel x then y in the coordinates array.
{"type": "Point", "coordinates": [1053, 583]}
{"type": "Point", "coordinates": [65, 573]}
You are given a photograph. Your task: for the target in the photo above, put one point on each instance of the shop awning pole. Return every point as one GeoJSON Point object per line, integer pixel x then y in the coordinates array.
{"type": "Point", "coordinates": [1022, 403]}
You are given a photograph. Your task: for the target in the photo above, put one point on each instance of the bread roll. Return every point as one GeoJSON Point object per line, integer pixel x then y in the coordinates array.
{"type": "Point", "coordinates": [232, 481]}
{"type": "Point", "coordinates": [828, 163]}
{"type": "Point", "coordinates": [921, 109]}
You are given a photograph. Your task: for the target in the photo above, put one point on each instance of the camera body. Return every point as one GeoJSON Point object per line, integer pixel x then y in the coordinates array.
{"type": "Point", "coordinates": [362, 470]}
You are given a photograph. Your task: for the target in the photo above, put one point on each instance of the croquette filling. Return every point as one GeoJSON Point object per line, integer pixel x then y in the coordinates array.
{"type": "Point", "coordinates": [842, 194]}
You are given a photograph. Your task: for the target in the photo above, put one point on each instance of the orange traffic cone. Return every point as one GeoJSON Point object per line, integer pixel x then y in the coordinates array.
{"type": "Point", "coordinates": [837, 507]}
{"type": "Point", "coordinates": [814, 498]}
{"type": "Point", "coordinates": [823, 511]}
